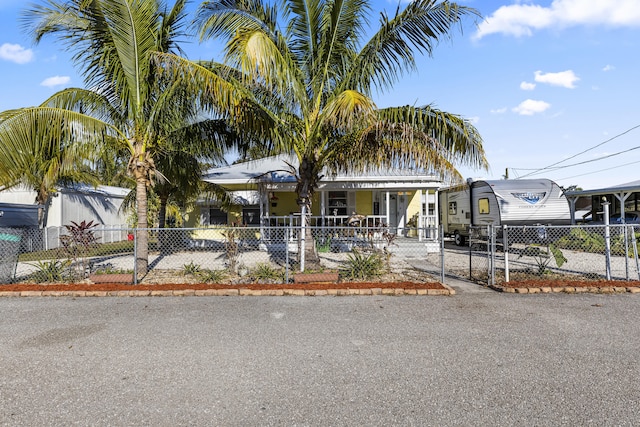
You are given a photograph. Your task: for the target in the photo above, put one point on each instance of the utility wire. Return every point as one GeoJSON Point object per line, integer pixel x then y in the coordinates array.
{"type": "Point", "coordinates": [551, 166]}
{"type": "Point", "coordinates": [601, 170]}
{"type": "Point", "coordinates": [538, 171]}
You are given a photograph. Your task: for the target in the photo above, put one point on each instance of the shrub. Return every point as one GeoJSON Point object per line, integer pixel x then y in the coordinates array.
{"type": "Point", "coordinates": [50, 271]}
{"type": "Point", "coordinates": [212, 276]}
{"type": "Point", "coordinates": [265, 271]}
{"type": "Point", "coordinates": [543, 256]}
{"type": "Point", "coordinates": [191, 269]}
{"type": "Point", "coordinates": [77, 244]}
{"type": "Point", "coordinates": [363, 266]}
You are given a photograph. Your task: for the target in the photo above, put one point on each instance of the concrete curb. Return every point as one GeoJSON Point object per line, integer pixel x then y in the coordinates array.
{"type": "Point", "coordinates": [448, 291]}
{"type": "Point", "coordinates": [569, 289]}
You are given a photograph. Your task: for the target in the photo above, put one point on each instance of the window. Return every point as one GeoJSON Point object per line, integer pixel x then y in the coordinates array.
{"type": "Point", "coordinates": [453, 208]}
{"type": "Point", "coordinates": [337, 203]}
{"type": "Point", "coordinates": [483, 206]}
{"type": "Point", "coordinates": [251, 216]}
{"type": "Point", "coordinates": [217, 216]}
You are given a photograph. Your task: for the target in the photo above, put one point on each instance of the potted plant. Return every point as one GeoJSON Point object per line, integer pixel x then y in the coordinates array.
{"type": "Point", "coordinates": [412, 226]}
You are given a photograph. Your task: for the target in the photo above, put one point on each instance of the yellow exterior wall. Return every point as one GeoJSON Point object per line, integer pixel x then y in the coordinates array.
{"type": "Point", "coordinates": [414, 206]}
{"type": "Point", "coordinates": [364, 202]}
{"type": "Point", "coordinates": [285, 205]}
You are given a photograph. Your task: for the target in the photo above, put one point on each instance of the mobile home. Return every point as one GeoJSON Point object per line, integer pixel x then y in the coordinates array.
{"type": "Point", "coordinates": [515, 202]}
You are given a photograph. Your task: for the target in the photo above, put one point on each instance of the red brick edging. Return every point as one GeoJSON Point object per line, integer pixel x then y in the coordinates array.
{"type": "Point", "coordinates": [233, 292]}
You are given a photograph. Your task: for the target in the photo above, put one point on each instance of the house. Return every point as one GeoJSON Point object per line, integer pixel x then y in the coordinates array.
{"type": "Point", "coordinates": [77, 203]}
{"type": "Point", "coordinates": [264, 193]}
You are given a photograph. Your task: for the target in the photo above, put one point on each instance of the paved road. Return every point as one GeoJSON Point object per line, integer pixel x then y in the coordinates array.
{"type": "Point", "coordinates": [478, 358]}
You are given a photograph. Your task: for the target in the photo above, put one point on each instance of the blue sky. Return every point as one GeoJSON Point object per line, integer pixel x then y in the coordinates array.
{"type": "Point", "coordinates": [547, 83]}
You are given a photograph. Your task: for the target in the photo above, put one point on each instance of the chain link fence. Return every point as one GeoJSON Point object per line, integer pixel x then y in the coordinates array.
{"type": "Point", "coordinates": [272, 254]}
{"type": "Point", "coordinates": [582, 252]}
{"type": "Point", "coordinates": [221, 254]}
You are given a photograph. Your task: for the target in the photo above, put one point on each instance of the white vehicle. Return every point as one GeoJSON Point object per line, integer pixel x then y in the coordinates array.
{"type": "Point", "coordinates": [515, 202]}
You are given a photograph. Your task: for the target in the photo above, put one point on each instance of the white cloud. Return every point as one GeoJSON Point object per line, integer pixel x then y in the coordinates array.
{"type": "Point", "coordinates": [15, 53]}
{"type": "Point", "coordinates": [527, 86]}
{"type": "Point", "coordinates": [531, 107]}
{"type": "Point", "coordinates": [474, 119]}
{"type": "Point", "coordinates": [55, 81]}
{"type": "Point", "coordinates": [523, 19]}
{"type": "Point", "coordinates": [499, 110]}
{"type": "Point", "coordinates": [563, 78]}
{"type": "Point", "coordinates": [608, 67]}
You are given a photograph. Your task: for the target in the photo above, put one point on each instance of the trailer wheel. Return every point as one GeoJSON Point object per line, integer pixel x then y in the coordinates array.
{"type": "Point", "coordinates": [458, 239]}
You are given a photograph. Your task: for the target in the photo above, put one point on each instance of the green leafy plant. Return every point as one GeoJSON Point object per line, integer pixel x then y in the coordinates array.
{"type": "Point", "coordinates": [363, 266]}
{"type": "Point", "coordinates": [77, 244]}
{"type": "Point", "coordinates": [212, 276]}
{"type": "Point", "coordinates": [231, 247]}
{"type": "Point", "coordinates": [323, 245]}
{"type": "Point", "coordinates": [593, 242]}
{"type": "Point", "coordinates": [543, 255]}
{"type": "Point", "coordinates": [50, 271]}
{"type": "Point", "coordinates": [191, 269]}
{"type": "Point", "coordinates": [265, 271]}
{"type": "Point", "coordinates": [112, 270]}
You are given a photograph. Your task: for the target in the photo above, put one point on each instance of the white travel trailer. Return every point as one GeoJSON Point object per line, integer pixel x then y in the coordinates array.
{"type": "Point", "coordinates": [515, 202]}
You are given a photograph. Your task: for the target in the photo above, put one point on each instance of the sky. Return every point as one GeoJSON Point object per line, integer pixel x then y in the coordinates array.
{"type": "Point", "coordinates": [553, 87]}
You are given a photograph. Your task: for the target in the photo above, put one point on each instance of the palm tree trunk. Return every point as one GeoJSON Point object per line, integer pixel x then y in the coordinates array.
{"type": "Point", "coordinates": [142, 233]}
{"type": "Point", "coordinates": [163, 234]}
{"type": "Point", "coordinates": [162, 212]}
{"type": "Point", "coordinates": [305, 190]}
{"type": "Point", "coordinates": [44, 201]}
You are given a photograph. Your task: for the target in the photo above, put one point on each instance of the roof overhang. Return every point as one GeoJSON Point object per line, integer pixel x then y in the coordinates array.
{"type": "Point", "coordinates": [276, 173]}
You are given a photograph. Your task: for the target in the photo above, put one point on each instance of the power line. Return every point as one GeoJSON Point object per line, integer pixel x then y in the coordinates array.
{"type": "Point", "coordinates": [552, 166]}
{"type": "Point", "coordinates": [601, 170]}
{"type": "Point", "coordinates": [583, 162]}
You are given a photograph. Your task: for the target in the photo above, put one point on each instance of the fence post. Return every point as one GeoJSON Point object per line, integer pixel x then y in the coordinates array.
{"type": "Point", "coordinates": [626, 253]}
{"type": "Point", "coordinates": [505, 251]}
{"type": "Point", "coordinates": [493, 254]}
{"type": "Point", "coordinates": [135, 257]}
{"type": "Point", "coordinates": [635, 250]}
{"type": "Point", "coordinates": [488, 254]}
{"type": "Point", "coordinates": [441, 229]}
{"type": "Point", "coordinates": [287, 234]}
{"type": "Point", "coordinates": [607, 240]}
{"type": "Point", "coordinates": [303, 231]}
{"type": "Point", "coordinates": [471, 230]}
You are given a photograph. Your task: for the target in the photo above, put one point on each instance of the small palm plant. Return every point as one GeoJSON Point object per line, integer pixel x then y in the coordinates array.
{"type": "Point", "coordinates": [543, 255]}
{"type": "Point", "coordinates": [77, 244]}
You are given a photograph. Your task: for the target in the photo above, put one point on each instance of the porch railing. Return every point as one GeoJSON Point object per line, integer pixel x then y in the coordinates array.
{"type": "Point", "coordinates": [426, 230]}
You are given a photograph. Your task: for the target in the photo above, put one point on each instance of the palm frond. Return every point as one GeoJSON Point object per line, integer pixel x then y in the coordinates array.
{"type": "Point", "coordinates": [389, 54]}
{"type": "Point", "coordinates": [424, 139]}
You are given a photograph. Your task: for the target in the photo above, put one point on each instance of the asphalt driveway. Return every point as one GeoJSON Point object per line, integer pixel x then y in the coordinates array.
{"type": "Point", "coordinates": [478, 358]}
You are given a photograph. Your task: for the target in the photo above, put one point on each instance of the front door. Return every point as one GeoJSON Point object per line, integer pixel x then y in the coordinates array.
{"type": "Point", "coordinates": [401, 210]}
{"type": "Point", "coordinates": [393, 213]}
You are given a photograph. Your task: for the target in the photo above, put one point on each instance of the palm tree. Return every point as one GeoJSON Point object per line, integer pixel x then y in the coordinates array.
{"type": "Point", "coordinates": [186, 155]}
{"type": "Point", "coordinates": [316, 80]}
{"type": "Point", "coordinates": [35, 153]}
{"type": "Point", "coordinates": [114, 42]}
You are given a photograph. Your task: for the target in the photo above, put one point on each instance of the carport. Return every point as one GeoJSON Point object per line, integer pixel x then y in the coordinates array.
{"type": "Point", "coordinates": [620, 196]}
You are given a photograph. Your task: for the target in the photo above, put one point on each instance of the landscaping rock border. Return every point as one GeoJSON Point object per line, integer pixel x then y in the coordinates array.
{"type": "Point", "coordinates": [239, 291]}
{"type": "Point", "coordinates": [567, 289]}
